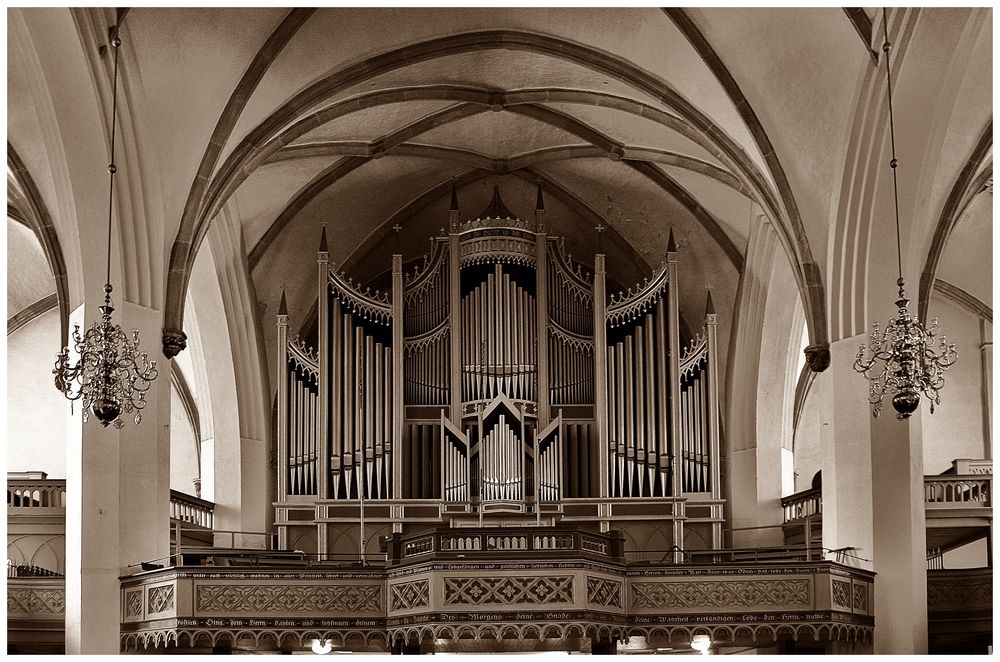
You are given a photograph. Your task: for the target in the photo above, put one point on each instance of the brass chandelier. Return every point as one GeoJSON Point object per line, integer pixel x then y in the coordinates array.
{"type": "Point", "coordinates": [111, 375]}
{"type": "Point", "coordinates": [905, 359]}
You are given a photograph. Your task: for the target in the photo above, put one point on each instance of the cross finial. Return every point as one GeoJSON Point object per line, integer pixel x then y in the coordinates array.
{"type": "Point", "coordinates": [397, 227]}
{"type": "Point", "coordinates": [600, 228]}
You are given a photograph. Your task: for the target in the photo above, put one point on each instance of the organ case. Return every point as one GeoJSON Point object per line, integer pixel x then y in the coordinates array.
{"type": "Point", "coordinates": [497, 377]}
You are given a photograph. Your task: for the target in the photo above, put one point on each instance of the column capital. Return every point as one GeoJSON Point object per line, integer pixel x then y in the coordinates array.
{"type": "Point", "coordinates": [174, 342]}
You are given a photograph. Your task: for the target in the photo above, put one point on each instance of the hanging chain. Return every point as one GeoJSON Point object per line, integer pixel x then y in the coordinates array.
{"type": "Point", "coordinates": [892, 141]}
{"type": "Point", "coordinates": [112, 169]}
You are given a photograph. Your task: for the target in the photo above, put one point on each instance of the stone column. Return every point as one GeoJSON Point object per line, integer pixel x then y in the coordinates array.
{"type": "Point", "coordinates": [846, 462]}
{"type": "Point", "coordinates": [986, 359]}
{"type": "Point", "coordinates": [117, 496]}
{"type": "Point", "coordinates": [756, 387]}
{"type": "Point", "coordinates": [875, 466]}
{"type": "Point", "coordinates": [900, 533]}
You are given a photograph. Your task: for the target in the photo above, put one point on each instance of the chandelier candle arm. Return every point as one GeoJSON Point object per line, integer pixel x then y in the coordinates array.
{"type": "Point", "coordinates": [905, 359]}
{"type": "Point", "coordinates": [111, 374]}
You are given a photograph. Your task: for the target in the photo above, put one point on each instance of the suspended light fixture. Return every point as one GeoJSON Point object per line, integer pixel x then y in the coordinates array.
{"type": "Point", "coordinates": [111, 375]}
{"type": "Point", "coordinates": [905, 359]}
{"type": "Point", "coordinates": [701, 643]}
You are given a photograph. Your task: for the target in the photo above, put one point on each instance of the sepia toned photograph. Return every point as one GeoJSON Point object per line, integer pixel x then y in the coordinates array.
{"type": "Point", "coordinates": [499, 330]}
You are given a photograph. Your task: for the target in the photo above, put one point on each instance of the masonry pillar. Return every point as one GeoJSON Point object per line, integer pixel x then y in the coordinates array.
{"type": "Point", "coordinates": [900, 534]}
{"type": "Point", "coordinates": [755, 417]}
{"type": "Point", "coordinates": [117, 495]}
{"type": "Point", "coordinates": [846, 461]}
{"type": "Point", "coordinates": [986, 361]}
{"type": "Point", "coordinates": [875, 466]}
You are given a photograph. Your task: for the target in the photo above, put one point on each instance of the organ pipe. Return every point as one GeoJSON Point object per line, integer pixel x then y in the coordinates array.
{"type": "Point", "coordinates": [494, 334]}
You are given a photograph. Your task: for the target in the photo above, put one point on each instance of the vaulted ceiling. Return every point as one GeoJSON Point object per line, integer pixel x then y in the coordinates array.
{"type": "Point", "coordinates": [639, 120]}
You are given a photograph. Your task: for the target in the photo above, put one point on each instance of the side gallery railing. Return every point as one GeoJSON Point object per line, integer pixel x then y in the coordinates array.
{"type": "Point", "coordinates": [801, 505]}
{"type": "Point", "coordinates": [943, 491]}
{"type": "Point", "coordinates": [948, 491]}
{"type": "Point", "coordinates": [191, 510]}
{"type": "Point", "coordinates": [49, 497]}
{"type": "Point", "coordinates": [37, 495]}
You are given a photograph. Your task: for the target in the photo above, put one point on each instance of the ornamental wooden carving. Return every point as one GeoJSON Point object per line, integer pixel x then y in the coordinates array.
{"type": "Point", "coordinates": [262, 599]}
{"type": "Point", "coordinates": [35, 601]}
{"type": "Point", "coordinates": [507, 590]}
{"type": "Point", "coordinates": [410, 595]}
{"type": "Point", "coordinates": [161, 598]}
{"type": "Point", "coordinates": [715, 594]}
{"type": "Point", "coordinates": [604, 592]}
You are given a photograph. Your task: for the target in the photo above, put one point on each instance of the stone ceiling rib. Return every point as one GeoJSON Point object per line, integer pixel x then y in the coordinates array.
{"type": "Point", "coordinates": [789, 224]}
{"type": "Point", "coordinates": [608, 146]}
{"type": "Point", "coordinates": [967, 186]}
{"type": "Point", "coordinates": [188, 238]}
{"type": "Point", "coordinates": [596, 60]}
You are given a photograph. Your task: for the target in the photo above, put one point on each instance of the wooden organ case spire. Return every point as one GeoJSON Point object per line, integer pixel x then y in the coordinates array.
{"type": "Point", "coordinates": [497, 383]}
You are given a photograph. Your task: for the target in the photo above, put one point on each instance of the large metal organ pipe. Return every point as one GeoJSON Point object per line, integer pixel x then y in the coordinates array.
{"type": "Point", "coordinates": [300, 429]}
{"type": "Point", "coordinates": [639, 446]}
{"type": "Point", "coordinates": [549, 461]}
{"type": "Point", "coordinates": [498, 326]}
{"type": "Point", "coordinates": [435, 392]}
{"type": "Point", "coordinates": [699, 446]}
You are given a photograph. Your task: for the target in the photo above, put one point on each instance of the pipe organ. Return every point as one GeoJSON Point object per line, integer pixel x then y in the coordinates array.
{"type": "Point", "coordinates": [497, 376]}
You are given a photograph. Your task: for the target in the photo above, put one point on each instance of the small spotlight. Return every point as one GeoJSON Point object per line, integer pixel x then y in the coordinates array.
{"type": "Point", "coordinates": [322, 646]}
{"type": "Point", "coordinates": [701, 643]}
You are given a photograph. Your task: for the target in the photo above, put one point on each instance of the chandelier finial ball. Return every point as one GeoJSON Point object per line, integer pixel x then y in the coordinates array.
{"type": "Point", "coordinates": [906, 402]}
{"type": "Point", "coordinates": [116, 42]}
{"type": "Point", "coordinates": [106, 411]}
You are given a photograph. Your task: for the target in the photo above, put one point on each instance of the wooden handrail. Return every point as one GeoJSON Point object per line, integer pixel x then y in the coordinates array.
{"type": "Point", "coordinates": [802, 504]}
{"type": "Point", "coordinates": [974, 490]}
{"type": "Point", "coordinates": [37, 494]}
{"type": "Point", "coordinates": [191, 509]}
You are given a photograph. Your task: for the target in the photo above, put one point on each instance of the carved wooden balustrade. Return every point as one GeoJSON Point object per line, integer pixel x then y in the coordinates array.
{"type": "Point", "coordinates": [437, 595]}
{"type": "Point", "coordinates": [42, 496]}
{"type": "Point", "coordinates": [965, 491]}
{"type": "Point", "coordinates": [971, 489]}
{"type": "Point", "coordinates": [191, 510]}
{"type": "Point", "coordinates": [36, 496]}
{"type": "Point", "coordinates": [525, 542]}
{"type": "Point", "coordinates": [801, 505]}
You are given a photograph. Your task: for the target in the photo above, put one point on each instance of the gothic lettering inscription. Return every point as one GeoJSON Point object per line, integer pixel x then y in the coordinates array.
{"type": "Point", "coordinates": [507, 590]}
{"type": "Point", "coordinates": [752, 593]}
{"type": "Point", "coordinates": [290, 598]}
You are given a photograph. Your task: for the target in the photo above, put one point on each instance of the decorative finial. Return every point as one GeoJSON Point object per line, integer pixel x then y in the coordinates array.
{"type": "Point", "coordinates": [283, 306]}
{"type": "Point", "coordinates": [454, 197]}
{"type": "Point", "coordinates": [671, 245]}
{"type": "Point", "coordinates": [322, 240]}
{"type": "Point", "coordinates": [539, 202]}
{"type": "Point", "coordinates": [709, 306]}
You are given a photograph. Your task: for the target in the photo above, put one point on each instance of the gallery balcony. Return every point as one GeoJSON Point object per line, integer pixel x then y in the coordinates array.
{"type": "Point", "coordinates": [514, 589]}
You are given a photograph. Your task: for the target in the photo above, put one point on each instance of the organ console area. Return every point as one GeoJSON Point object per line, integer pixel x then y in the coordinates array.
{"type": "Point", "coordinates": [499, 383]}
